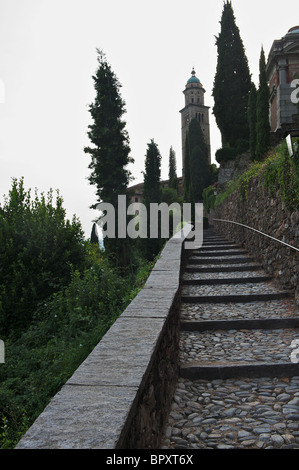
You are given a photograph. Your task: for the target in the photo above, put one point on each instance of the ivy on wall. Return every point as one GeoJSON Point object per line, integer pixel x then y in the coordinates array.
{"type": "Point", "coordinates": [280, 176]}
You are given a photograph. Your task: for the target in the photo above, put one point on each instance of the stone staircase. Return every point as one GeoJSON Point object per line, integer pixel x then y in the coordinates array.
{"type": "Point", "coordinates": [238, 331]}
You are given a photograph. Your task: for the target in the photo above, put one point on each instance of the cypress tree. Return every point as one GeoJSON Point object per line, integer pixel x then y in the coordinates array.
{"type": "Point", "coordinates": [152, 175]}
{"type": "Point", "coordinates": [110, 151]}
{"type": "Point", "coordinates": [262, 112]}
{"type": "Point", "coordinates": [232, 82]}
{"type": "Point", "coordinates": [252, 119]}
{"type": "Point", "coordinates": [152, 193]}
{"type": "Point", "coordinates": [199, 160]}
{"type": "Point", "coordinates": [188, 192]}
{"type": "Point", "coordinates": [172, 173]}
{"type": "Point", "coordinates": [94, 235]}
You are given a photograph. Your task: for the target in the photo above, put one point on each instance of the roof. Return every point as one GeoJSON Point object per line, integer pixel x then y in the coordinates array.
{"type": "Point", "coordinates": [193, 79]}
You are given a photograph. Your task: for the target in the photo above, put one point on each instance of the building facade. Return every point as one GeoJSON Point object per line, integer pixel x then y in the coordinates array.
{"type": "Point", "coordinates": [282, 69]}
{"type": "Point", "coordinates": [195, 108]}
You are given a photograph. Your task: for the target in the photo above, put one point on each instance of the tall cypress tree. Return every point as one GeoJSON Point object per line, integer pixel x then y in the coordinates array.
{"type": "Point", "coordinates": [252, 120]}
{"type": "Point", "coordinates": [232, 81]}
{"type": "Point", "coordinates": [199, 160]}
{"type": "Point", "coordinates": [94, 235]}
{"type": "Point", "coordinates": [262, 112]}
{"type": "Point", "coordinates": [188, 192]}
{"type": "Point", "coordinates": [110, 151]}
{"type": "Point", "coordinates": [152, 175]}
{"type": "Point", "coordinates": [172, 173]}
{"type": "Point", "coordinates": [152, 193]}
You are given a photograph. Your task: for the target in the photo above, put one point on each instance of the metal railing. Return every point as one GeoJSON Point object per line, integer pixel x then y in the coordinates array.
{"type": "Point", "coordinates": [258, 231]}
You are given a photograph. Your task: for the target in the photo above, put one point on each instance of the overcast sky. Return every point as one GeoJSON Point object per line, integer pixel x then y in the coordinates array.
{"type": "Point", "coordinates": [47, 59]}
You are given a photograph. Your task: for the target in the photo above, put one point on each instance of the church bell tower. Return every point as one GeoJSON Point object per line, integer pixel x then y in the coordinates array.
{"type": "Point", "coordinates": [195, 108]}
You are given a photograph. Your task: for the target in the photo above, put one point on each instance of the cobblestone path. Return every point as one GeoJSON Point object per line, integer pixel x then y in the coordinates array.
{"type": "Point", "coordinates": [239, 371]}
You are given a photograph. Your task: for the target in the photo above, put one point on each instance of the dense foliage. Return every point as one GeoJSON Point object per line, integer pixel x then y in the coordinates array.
{"type": "Point", "coordinates": [39, 248]}
{"type": "Point", "coordinates": [262, 112]}
{"type": "Point", "coordinates": [279, 173]}
{"type": "Point", "coordinates": [59, 295]}
{"type": "Point", "coordinates": [198, 173]}
{"type": "Point", "coordinates": [172, 171]}
{"type": "Point", "coordinates": [232, 82]}
{"type": "Point", "coordinates": [252, 120]}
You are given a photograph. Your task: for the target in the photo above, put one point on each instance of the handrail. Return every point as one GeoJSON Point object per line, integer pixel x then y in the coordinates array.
{"type": "Point", "coordinates": [258, 231]}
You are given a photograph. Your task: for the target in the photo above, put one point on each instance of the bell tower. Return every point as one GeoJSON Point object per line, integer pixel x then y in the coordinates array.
{"type": "Point", "coordinates": [195, 108]}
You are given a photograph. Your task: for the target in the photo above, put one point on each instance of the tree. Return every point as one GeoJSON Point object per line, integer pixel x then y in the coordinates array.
{"type": "Point", "coordinates": [199, 160]}
{"type": "Point", "coordinates": [94, 235]}
{"type": "Point", "coordinates": [152, 175]}
{"type": "Point", "coordinates": [188, 191]}
{"type": "Point", "coordinates": [262, 112]}
{"type": "Point", "coordinates": [152, 193]}
{"type": "Point", "coordinates": [232, 82]}
{"type": "Point", "coordinates": [172, 173]}
{"type": "Point", "coordinates": [110, 151]}
{"type": "Point", "coordinates": [252, 120]}
{"type": "Point", "coordinates": [39, 249]}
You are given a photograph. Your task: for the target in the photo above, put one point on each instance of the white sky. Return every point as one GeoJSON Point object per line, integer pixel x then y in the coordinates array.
{"type": "Point", "coordinates": [48, 56]}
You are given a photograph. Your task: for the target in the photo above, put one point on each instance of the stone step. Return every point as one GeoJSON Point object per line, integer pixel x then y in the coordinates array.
{"type": "Point", "coordinates": [200, 372]}
{"type": "Point", "coordinates": [215, 243]}
{"type": "Point", "coordinates": [203, 254]}
{"type": "Point", "coordinates": [242, 288]}
{"type": "Point", "coordinates": [206, 276]}
{"type": "Point", "coordinates": [219, 247]}
{"type": "Point", "coordinates": [240, 324]}
{"type": "Point", "coordinates": [215, 269]}
{"type": "Point", "coordinates": [234, 298]}
{"type": "Point", "coordinates": [220, 281]}
{"type": "Point", "coordinates": [238, 349]}
{"type": "Point", "coordinates": [284, 308]}
{"type": "Point", "coordinates": [241, 260]}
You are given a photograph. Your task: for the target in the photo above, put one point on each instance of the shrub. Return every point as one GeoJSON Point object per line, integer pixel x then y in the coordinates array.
{"type": "Point", "coordinates": [38, 250]}
{"type": "Point", "coordinates": [225, 154]}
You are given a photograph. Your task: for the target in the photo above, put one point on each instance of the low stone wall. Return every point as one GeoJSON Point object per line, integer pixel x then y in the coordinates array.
{"type": "Point", "coordinates": [268, 215]}
{"type": "Point", "coordinates": [120, 396]}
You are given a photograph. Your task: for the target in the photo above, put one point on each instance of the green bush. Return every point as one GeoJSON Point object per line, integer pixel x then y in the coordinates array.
{"type": "Point", "coordinates": [59, 294]}
{"type": "Point", "coordinates": [64, 330]}
{"type": "Point", "coordinates": [225, 154]}
{"type": "Point", "coordinates": [38, 250]}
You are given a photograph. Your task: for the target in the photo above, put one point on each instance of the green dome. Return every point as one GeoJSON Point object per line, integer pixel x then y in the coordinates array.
{"type": "Point", "coordinates": [193, 79]}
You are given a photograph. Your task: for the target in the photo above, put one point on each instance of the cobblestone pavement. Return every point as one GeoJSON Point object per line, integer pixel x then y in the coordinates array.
{"type": "Point", "coordinates": [249, 412]}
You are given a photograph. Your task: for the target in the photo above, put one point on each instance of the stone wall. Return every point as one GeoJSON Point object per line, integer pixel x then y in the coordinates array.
{"type": "Point", "coordinates": [268, 215]}
{"type": "Point", "coordinates": [120, 396]}
{"type": "Point", "coordinates": [232, 169]}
